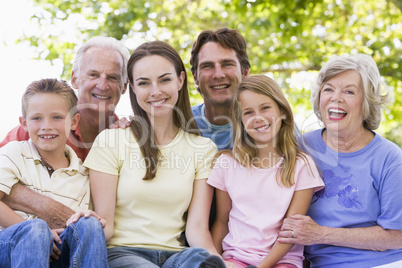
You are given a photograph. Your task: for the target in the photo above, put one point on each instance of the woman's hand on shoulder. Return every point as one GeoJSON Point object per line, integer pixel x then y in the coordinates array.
{"type": "Point", "coordinates": [86, 214]}
{"type": "Point", "coordinates": [122, 123]}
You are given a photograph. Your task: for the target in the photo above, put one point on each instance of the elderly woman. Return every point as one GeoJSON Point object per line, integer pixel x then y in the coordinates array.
{"type": "Point", "coordinates": [356, 220]}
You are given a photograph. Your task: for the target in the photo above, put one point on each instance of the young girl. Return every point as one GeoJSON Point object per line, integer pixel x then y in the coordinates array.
{"type": "Point", "coordinates": [264, 179]}
{"type": "Point", "coordinates": [144, 179]}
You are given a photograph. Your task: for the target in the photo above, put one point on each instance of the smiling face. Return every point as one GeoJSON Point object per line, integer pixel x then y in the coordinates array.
{"type": "Point", "coordinates": [341, 102]}
{"type": "Point", "coordinates": [219, 72]}
{"type": "Point", "coordinates": [156, 85]}
{"type": "Point", "coordinates": [99, 80]}
{"type": "Point", "coordinates": [48, 122]}
{"type": "Point", "coordinates": [261, 117]}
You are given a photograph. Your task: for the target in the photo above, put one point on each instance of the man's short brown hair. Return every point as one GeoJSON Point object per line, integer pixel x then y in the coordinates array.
{"type": "Point", "coordinates": [227, 38]}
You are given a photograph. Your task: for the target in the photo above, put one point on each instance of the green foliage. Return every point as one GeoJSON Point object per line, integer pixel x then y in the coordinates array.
{"type": "Point", "coordinates": [285, 37]}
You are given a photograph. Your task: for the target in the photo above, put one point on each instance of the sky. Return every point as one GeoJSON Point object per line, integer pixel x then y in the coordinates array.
{"type": "Point", "coordinates": [18, 69]}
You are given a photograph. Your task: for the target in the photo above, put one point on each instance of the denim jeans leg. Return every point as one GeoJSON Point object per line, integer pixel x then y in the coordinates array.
{"type": "Point", "coordinates": [83, 245]}
{"type": "Point", "coordinates": [188, 257]}
{"type": "Point", "coordinates": [130, 257]}
{"type": "Point", "coordinates": [26, 244]}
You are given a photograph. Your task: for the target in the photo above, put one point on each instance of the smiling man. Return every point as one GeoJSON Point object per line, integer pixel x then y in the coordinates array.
{"type": "Point", "coordinates": [100, 76]}
{"type": "Point", "coordinates": [219, 62]}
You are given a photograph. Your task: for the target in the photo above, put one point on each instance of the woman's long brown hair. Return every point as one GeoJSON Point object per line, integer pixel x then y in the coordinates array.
{"type": "Point", "coordinates": [182, 115]}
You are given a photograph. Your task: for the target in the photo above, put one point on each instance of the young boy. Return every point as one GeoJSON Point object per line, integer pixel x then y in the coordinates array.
{"type": "Point", "coordinates": [47, 165]}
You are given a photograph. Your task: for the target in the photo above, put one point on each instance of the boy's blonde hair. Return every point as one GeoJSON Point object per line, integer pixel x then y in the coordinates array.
{"type": "Point", "coordinates": [52, 86]}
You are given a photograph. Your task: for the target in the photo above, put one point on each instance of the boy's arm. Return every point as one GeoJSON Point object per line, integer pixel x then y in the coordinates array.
{"type": "Point", "coordinates": [8, 216]}
{"type": "Point", "coordinates": [299, 205]}
{"type": "Point", "coordinates": [23, 199]}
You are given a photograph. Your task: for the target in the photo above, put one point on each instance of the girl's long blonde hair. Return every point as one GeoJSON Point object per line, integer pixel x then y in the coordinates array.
{"type": "Point", "coordinates": [244, 148]}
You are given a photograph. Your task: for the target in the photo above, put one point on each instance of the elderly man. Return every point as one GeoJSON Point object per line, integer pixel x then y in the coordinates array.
{"type": "Point", "coordinates": [100, 76]}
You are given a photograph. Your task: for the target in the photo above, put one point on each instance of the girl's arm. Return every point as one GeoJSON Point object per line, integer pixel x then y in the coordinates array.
{"type": "Point", "coordinates": [103, 193]}
{"type": "Point", "coordinates": [308, 232]}
{"type": "Point", "coordinates": [299, 205]}
{"type": "Point", "coordinates": [8, 216]}
{"type": "Point", "coordinates": [220, 227]}
{"type": "Point", "coordinates": [197, 230]}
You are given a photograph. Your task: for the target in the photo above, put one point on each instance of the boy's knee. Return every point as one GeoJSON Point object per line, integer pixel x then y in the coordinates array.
{"type": "Point", "coordinates": [91, 221]}
{"type": "Point", "coordinates": [37, 226]}
{"type": "Point", "coordinates": [91, 225]}
{"type": "Point", "coordinates": [35, 230]}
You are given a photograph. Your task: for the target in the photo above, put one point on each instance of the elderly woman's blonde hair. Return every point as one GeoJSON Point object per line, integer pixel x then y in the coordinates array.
{"type": "Point", "coordinates": [376, 93]}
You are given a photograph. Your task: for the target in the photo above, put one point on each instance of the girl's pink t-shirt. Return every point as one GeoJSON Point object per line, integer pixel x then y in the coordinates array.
{"type": "Point", "coordinates": [259, 205]}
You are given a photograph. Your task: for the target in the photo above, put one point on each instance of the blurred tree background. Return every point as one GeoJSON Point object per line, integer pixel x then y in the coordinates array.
{"type": "Point", "coordinates": [289, 40]}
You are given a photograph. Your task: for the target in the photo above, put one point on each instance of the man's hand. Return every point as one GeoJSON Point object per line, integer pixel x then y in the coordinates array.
{"type": "Point", "coordinates": [23, 199]}
{"type": "Point", "coordinates": [55, 214]}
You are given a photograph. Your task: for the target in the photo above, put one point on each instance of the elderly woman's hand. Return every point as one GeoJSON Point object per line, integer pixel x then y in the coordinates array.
{"type": "Point", "coordinates": [302, 230]}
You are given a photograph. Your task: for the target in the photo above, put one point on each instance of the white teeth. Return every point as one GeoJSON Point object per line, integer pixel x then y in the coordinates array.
{"type": "Point", "coordinates": [48, 136]}
{"type": "Point", "coordinates": [337, 111]}
{"type": "Point", "coordinates": [220, 87]}
{"type": "Point", "coordinates": [158, 102]}
{"type": "Point", "coordinates": [101, 97]}
{"type": "Point", "coordinates": [262, 128]}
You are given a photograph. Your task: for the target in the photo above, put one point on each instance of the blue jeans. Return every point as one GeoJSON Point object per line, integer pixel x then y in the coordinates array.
{"type": "Point", "coordinates": [149, 258]}
{"type": "Point", "coordinates": [26, 244]}
{"type": "Point", "coordinates": [83, 245]}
